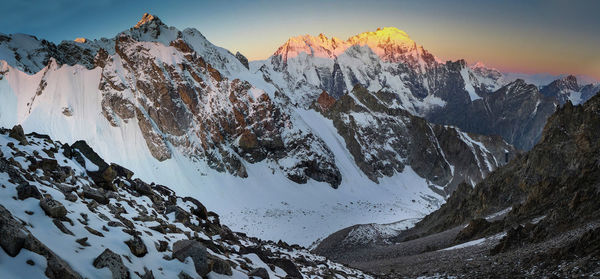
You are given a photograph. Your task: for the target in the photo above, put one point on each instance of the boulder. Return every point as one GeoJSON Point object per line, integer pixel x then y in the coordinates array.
{"type": "Point", "coordinates": [53, 208]}
{"type": "Point", "coordinates": [121, 171]}
{"type": "Point", "coordinates": [25, 191]}
{"type": "Point", "coordinates": [114, 263]}
{"type": "Point", "coordinates": [90, 154]}
{"type": "Point", "coordinates": [288, 266]}
{"type": "Point", "coordinates": [200, 210]}
{"type": "Point", "coordinates": [59, 269]}
{"type": "Point", "coordinates": [94, 194]}
{"type": "Point", "coordinates": [61, 227]}
{"type": "Point", "coordinates": [220, 266]}
{"type": "Point", "coordinates": [260, 272]}
{"type": "Point", "coordinates": [181, 215]}
{"type": "Point", "coordinates": [12, 232]}
{"type": "Point", "coordinates": [137, 247]}
{"type": "Point", "coordinates": [17, 133]}
{"type": "Point", "coordinates": [189, 248]}
{"type": "Point", "coordinates": [83, 241]}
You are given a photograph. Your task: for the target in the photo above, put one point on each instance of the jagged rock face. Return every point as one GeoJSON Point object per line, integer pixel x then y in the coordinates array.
{"type": "Point", "coordinates": [557, 179]}
{"type": "Point", "coordinates": [384, 140]}
{"type": "Point", "coordinates": [472, 156]}
{"type": "Point", "coordinates": [183, 94]}
{"type": "Point", "coordinates": [568, 89]}
{"type": "Point", "coordinates": [588, 91]}
{"type": "Point", "coordinates": [561, 88]}
{"type": "Point", "coordinates": [131, 234]}
{"type": "Point", "coordinates": [191, 106]}
{"type": "Point", "coordinates": [242, 59]}
{"type": "Point", "coordinates": [517, 112]}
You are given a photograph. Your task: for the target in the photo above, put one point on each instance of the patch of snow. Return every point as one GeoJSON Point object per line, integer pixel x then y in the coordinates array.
{"type": "Point", "coordinates": [476, 242]}
{"type": "Point", "coordinates": [468, 86]}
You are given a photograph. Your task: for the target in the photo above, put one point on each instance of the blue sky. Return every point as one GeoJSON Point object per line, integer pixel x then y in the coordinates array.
{"type": "Point", "coordinates": [527, 36]}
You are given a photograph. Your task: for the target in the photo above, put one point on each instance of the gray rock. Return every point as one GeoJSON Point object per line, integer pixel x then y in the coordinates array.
{"type": "Point", "coordinates": [17, 133]}
{"type": "Point", "coordinates": [25, 191]}
{"type": "Point", "coordinates": [181, 215]}
{"type": "Point", "coordinates": [83, 241]}
{"type": "Point", "coordinates": [58, 269]}
{"type": "Point", "coordinates": [53, 208]}
{"type": "Point", "coordinates": [260, 272]}
{"type": "Point", "coordinates": [61, 227]}
{"type": "Point", "coordinates": [12, 232]}
{"type": "Point", "coordinates": [94, 194]}
{"type": "Point", "coordinates": [137, 247]}
{"type": "Point", "coordinates": [220, 266]}
{"type": "Point", "coordinates": [242, 59]}
{"type": "Point", "coordinates": [148, 274]}
{"type": "Point", "coordinates": [189, 248]}
{"type": "Point", "coordinates": [114, 263]}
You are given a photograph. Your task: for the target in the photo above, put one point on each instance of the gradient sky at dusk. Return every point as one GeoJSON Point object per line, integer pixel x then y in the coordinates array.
{"type": "Point", "coordinates": [518, 36]}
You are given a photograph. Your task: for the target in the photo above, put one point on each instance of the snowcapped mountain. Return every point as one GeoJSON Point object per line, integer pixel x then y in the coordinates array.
{"type": "Point", "coordinates": [568, 88]}
{"type": "Point", "coordinates": [387, 60]}
{"type": "Point", "coordinates": [259, 147]}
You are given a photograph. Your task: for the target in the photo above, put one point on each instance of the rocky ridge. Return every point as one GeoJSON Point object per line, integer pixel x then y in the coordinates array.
{"type": "Point", "coordinates": [384, 139]}
{"type": "Point", "coordinates": [66, 213]}
{"type": "Point", "coordinates": [536, 216]}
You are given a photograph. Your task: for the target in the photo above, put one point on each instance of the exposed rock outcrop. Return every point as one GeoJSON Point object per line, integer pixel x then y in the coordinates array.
{"type": "Point", "coordinates": [115, 225]}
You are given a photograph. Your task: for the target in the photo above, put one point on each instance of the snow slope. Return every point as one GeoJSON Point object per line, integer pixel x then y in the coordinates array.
{"type": "Point", "coordinates": [297, 213]}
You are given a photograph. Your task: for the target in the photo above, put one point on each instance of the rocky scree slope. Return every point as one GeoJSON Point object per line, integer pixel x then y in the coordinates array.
{"type": "Point", "coordinates": [557, 176]}
{"type": "Point", "coordinates": [66, 213]}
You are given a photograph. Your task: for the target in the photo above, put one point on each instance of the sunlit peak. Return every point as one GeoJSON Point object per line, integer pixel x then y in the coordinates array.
{"type": "Point", "coordinates": [80, 40]}
{"type": "Point", "coordinates": [146, 18]}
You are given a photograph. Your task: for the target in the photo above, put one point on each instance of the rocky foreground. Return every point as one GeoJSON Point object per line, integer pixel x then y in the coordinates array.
{"type": "Point", "coordinates": [66, 213]}
{"type": "Point", "coordinates": [538, 216]}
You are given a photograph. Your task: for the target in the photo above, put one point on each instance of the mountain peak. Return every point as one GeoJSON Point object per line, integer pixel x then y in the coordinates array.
{"type": "Point", "coordinates": [146, 18]}
{"type": "Point", "coordinates": [80, 40]}
{"type": "Point", "coordinates": [481, 65]}
{"type": "Point", "coordinates": [385, 35]}
{"type": "Point", "coordinates": [570, 79]}
{"type": "Point", "coordinates": [566, 82]}
{"type": "Point", "coordinates": [387, 42]}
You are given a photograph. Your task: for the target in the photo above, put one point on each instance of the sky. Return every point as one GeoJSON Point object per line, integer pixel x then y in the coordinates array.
{"type": "Point", "coordinates": [528, 36]}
